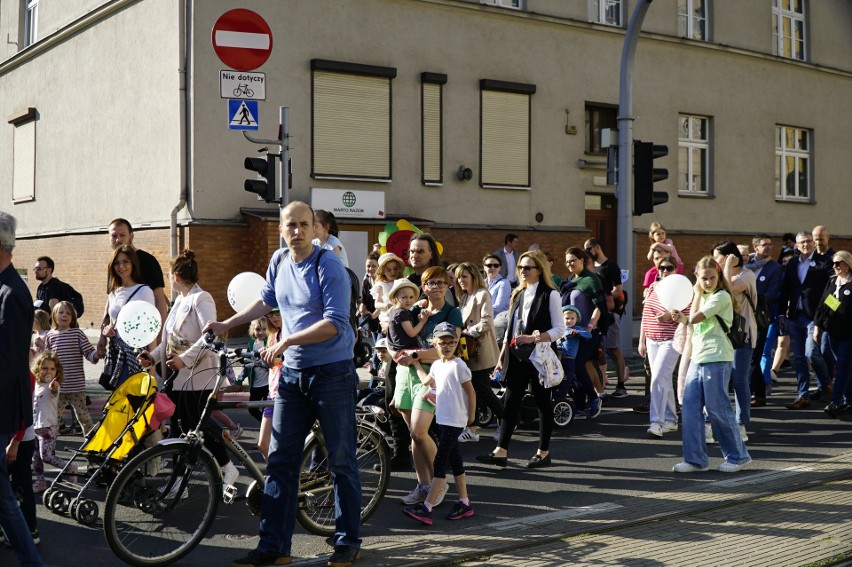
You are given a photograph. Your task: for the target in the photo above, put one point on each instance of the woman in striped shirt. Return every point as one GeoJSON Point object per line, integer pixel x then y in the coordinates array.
{"type": "Point", "coordinates": [656, 341]}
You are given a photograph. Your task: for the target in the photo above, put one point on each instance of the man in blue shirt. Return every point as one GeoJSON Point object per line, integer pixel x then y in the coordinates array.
{"type": "Point", "coordinates": [16, 324]}
{"type": "Point", "coordinates": [318, 381]}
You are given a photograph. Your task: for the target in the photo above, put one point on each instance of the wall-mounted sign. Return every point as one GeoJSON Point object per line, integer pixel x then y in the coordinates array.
{"type": "Point", "coordinates": [350, 203]}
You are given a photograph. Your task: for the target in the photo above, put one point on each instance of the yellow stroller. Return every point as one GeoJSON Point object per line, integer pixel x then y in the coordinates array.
{"type": "Point", "coordinates": [125, 425]}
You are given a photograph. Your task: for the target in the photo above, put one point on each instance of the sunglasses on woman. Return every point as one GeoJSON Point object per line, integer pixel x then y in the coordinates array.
{"type": "Point", "coordinates": [665, 268]}
{"type": "Point", "coordinates": [492, 265]}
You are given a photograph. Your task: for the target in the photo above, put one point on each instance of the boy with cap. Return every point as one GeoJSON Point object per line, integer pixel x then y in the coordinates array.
{"type": "Point", "coordinates": [455, 408]}
{"type": "Point", "coordinates": [568, 345]}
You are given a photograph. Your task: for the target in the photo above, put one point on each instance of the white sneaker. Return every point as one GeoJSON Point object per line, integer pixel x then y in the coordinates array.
{"type": "Point", "coordinates": [731, 467]}
{"type": "Point", "coordinates": [743, 433]}
{"type": "Point", "coordinates": [416, 496]}
{"type": "Point", "coordinates": [230, 474]}
{"type": "Point", "coordinates": [688, 468]}
{"type": "Point", "coordinates": [236, 433]}
{"type": "Point", "coordinates": [656, 430]}
{"type": "Point", "coordinates": [468, 436]}
{"type": "Point", "coordinates": [440, 497]}
{"type": "Point", "coordinates": [669, 426]}
{"type": "Point", "coordinates": [708, 434]}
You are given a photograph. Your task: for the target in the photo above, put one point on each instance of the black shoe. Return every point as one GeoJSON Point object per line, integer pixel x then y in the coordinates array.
{"type": "Point", "coordinates": [257, 558]}
{"type": "Point", "coordinates": [832, 410]}
{"type": "Point", "coordinates": [491, 459]}
{"type": "Point", "coordinates": [399, 464]}
{"type": "Point", "coordinates": [538, 461]}
{"type": "Point", "coordinates": [344, 556]}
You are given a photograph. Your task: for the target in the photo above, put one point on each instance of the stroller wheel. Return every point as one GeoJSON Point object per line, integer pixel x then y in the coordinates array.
{"type": "Point", "coordinates": [59, 502]}
{"type": "Point", "coordinates": [484, 416]}
{"type": "Point", "coordinates": [84, 511]}
{"type": "Point", "coordinates": [563, 413]}
{"type": "Point", "coordinates": [45, 498]}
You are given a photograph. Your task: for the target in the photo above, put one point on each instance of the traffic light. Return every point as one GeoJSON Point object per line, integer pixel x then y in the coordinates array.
{"type": "Point", "coordinates": [264, 185]}
{"type": "Point", "coordinates": [644, 176]}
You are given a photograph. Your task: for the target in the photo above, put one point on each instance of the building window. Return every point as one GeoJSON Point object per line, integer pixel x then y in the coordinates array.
{"type": "Point", "coordinates": [792, 164]}
{"type": "Point", "coordinates": [788, 28]}
{"type": "Point", "coordinates": [505, 133]}
{"type": "Point", "coordinates": [432, 127]}
{"type": "Point", "coordinates": [30, 22]}
{"type": "Point", "coordinates": [23, 155]}
{"type": "Point", "coordinates": [693, 155]}
{"type": "Point", "coordinates": [516, 4]}
{"type": "Point", "coordinates": [598, 117]}
{"type": "Point", "coordinates": [351, 120]}
{"type": "Point", "coordinates": [692, 19]}
{"type": "Point", "coordinates": [607, 12]}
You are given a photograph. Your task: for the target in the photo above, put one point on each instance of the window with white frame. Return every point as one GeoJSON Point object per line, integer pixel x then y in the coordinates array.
{"type": "Point", "coordinates": [30, 22]}
{"type": "Point", "coordinates": [792, 164]}
{"type": "Point", "coordinates": [692, 19]}
{"type": "Point", "coordinates": [609, 12]}
{"type": "Point", "coordinates": [505, 110]}
{"type": "Point", "coordinates": [351, 125]}
{"type": "Point", "coordinates": [516, 4]}
{"type": "Point", "coordinates": [432, 125]}
{"type": "Point", "coordinates": [23, 155]}
{"type": "Point", "coordinates": [789, 29]}
{"type": "Point", "coordinates": [693, 155]}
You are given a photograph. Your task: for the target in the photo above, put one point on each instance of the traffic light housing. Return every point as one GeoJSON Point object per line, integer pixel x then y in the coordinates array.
{"type": "Point", "coordinates": [264, 184]}
{"type": "Point", "coordinates": [645, 175]}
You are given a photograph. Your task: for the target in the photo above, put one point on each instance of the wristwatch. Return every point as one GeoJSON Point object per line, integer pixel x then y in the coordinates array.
{"type": "Point", "coordinates": [414, 355]}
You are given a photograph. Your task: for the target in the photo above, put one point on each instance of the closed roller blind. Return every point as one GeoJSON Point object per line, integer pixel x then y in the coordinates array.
{"type": "Point", "coordinates": [24, 162]}
{"type": "Point", "coordinates": [505, 138]}
{"type": "Point", "coordinates": [351, 125]}
{"type": "Point", "coordinates": [432, 157]}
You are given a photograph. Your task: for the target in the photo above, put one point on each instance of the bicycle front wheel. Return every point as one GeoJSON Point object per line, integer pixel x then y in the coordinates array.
{"type": "Point", "coordinates": [316, 490]}
{"type": "Point", "coordinates": [161, 504]}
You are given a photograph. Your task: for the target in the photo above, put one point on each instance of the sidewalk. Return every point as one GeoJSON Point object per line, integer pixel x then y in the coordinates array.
{"type": "Point", "coordinates": [798, 516]}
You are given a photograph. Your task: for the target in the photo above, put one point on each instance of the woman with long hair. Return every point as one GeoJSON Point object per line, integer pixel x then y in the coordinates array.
{"type": "Point", "coordinates": [834, 317]}
{"type": "Point", "coordinates": [535, 316]}
{"type": "Point", "coordinates": [478, 315]}
{"type": "Point", "coordinates": [711, 357]}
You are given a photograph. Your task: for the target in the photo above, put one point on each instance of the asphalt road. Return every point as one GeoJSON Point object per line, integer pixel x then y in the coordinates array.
{"type": "Point", "coordinates": [595, 462]}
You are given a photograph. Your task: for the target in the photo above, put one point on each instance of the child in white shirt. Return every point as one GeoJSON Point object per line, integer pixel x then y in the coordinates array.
{"type": "Point", "coordinates": [455, 408]}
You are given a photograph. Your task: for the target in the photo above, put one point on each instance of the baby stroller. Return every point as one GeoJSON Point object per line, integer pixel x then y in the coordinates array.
{"type": "Point", "coordinates": [126, 423]}
{"type": "Point", "coordinates": [562, 404]}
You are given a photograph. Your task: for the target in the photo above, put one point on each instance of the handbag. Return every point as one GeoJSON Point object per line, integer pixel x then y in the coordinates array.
{"type": "Point", "coordinates": [521, 352]}
{"type": "Point", "coordinates": [470, 348]}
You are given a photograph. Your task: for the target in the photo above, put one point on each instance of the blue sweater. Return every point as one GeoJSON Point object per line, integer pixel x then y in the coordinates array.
{"type": "Point", "coordinates": [569, 344]}
{"type": "Point", "coordinates": [303, 300]}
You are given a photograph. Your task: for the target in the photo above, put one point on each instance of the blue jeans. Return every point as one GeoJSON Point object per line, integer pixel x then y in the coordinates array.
{"type": "Point", "coordinates": [842, 349]}
{"type": "Point", "coordinates": [706, 387]}
{"type": "Point", "coordinates": [801, 331]}
{"type": "Point", "coordinates": [768, 356]}
{"type": "Point", "coordinates": [11, 518]}
{"type": "Point", "coordinates": [740, 374]}
{"type": "Point", "coordinates": [325, 392]}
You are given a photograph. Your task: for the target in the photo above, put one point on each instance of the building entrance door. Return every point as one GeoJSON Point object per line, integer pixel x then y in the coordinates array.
{"type": "Point", "coordinates": [602, 221]}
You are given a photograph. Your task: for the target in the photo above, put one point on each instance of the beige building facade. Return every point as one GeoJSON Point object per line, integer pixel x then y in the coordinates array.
{"type": "Point", "coordinates": [113, 109]}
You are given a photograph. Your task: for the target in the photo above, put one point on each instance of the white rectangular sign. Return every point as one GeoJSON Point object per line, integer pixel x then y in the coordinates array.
{"type": "Point", "coordinates": [242, 85]}
{"type": "Point", "coordinates": [349, 203]}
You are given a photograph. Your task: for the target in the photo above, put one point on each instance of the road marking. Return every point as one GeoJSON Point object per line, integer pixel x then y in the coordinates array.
{"type": "Point", "coordinates": [760, 478]}
{"type": "Point", "coordinates": [550, 517]}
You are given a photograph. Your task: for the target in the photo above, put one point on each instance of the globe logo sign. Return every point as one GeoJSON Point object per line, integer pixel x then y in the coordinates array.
{"type": "Point", "coordinates": [349, 199]}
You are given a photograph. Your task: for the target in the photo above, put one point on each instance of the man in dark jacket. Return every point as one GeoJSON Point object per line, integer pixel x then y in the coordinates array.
{"type": "Point", "coordinates": [16, 407]}
{"type": "Point", "coordinates": [805, 277]}
{"type": "Point", "coordinates": [770, 275]}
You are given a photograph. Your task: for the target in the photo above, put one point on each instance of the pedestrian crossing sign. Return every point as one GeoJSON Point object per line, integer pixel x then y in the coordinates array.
{"type": "Point", "coordinates": [242, 115]}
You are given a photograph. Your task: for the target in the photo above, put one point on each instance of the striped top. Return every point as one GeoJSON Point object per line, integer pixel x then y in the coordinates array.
{"type": "Point", "coordinates": [71, 346]}
{"type": "Point", "coordinates": [653, 329]}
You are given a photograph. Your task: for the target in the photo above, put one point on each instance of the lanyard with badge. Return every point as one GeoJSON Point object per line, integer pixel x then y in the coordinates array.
{"type": "Point", "coordinates": [832, 300]}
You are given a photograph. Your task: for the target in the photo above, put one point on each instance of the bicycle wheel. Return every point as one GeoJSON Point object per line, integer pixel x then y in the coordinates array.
{"type": "Point", "coordinates": [161, 504]}
{"type": "Point", "coordinates": [316, 490]}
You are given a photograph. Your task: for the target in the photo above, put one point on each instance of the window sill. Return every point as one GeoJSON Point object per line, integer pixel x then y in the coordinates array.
{"type": "Point", "coordinates": [695, 195]}
{"type": "Point", "coordinates": [510, 187]}
{"type": "Point", "coordinates": [344, 178]}
{"type": "Point", "coordinates": [804, 201]}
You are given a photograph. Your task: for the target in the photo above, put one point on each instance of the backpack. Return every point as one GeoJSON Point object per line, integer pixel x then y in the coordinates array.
{"type": "Point", "coordinates": [76, 300]}
{"type": "Point", "coordinates": [738, 331]}
{"type": "Point", "coordinates": [354, 289]}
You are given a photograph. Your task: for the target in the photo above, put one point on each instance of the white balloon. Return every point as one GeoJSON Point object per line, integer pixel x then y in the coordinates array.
{"type": "Point", "coordinates": [244, 290]}
{"type": "Point", "coordinates": [138, 323]}
{"type": "Point", "coordinates": [674, 292]}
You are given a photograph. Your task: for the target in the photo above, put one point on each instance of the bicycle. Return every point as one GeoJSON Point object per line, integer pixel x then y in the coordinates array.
{"type": "Point", "coordinates": [243, 89]}
{"type": "Point", "coordinates": [164, 500]}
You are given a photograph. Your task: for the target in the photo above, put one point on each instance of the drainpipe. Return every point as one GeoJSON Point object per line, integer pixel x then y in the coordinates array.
{"type": "Point", "coordinates": [184, 47]}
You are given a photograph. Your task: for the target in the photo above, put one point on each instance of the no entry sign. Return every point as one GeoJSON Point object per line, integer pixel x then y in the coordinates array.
{"type": "Point", "coordinates": [242, 39]}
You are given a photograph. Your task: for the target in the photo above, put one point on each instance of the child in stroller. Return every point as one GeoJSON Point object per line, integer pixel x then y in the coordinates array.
{"type": "Point", "coordinates": [568, 345]}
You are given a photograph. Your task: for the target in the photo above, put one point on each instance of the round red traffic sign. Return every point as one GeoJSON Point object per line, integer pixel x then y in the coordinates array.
{"type": "Point", "coordinates": [242, 39]}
